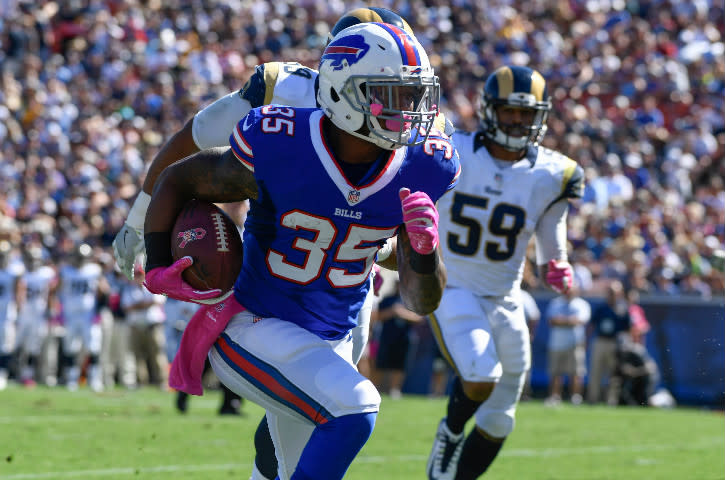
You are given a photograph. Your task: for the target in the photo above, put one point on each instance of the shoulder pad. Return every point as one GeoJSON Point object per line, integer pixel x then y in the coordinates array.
{"type": "Point", "coordinates": [573, 181]}
{"type": "Point", "coordinates": [260, 85]}
{"type": "Point", "coordinates": [443, 124]}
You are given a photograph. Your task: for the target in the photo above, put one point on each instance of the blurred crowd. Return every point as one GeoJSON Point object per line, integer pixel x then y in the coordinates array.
{"type": "Point", "coordinates": [90, 89]}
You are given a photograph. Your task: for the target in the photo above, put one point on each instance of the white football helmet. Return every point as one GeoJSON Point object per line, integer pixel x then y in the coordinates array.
{"type": "Point", "coordinates": [376, 83]}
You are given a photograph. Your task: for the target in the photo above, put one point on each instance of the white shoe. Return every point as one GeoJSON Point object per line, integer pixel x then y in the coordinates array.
{"type": "Point", "coordinates": [3, 379]}
{"type": "Point", "coordinates": [443, 459]}
{"type": "Point", "coordinates": [95, 381]}
{"type": "Point", "coordinates": [576, 399]}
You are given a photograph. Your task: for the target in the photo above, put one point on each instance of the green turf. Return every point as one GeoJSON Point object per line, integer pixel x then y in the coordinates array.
{"type": "Point", "coordinates": [55, 434]}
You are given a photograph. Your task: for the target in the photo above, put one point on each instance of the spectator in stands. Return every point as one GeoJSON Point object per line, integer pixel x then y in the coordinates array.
{"type": "Point", "coordinates": [145, 316]}
{"type": "Point", "coordinates": [607, 322]}
{"type": "Point", "coordinates": [391, 322]}
{"type": "Point", "coordinates": [121, 361]}
{"type": "Point", "coordinates": [568, 316]}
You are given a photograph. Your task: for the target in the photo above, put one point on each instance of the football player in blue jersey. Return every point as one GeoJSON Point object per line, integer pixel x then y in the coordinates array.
{"type": "Point", "coordinates": [287, 83]}
{"type": "Point", "coordinates": [512, 189]}
{"type": "Point", "coordinates": [284, 83]}
{"type": "Point", "coordinates": [322, 183]}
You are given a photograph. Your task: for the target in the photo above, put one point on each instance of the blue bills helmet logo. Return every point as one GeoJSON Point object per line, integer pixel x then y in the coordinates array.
{"type": "Point", "coordinates": [345, 51]}
{"type": "Point", "coordinates": [190, 235]}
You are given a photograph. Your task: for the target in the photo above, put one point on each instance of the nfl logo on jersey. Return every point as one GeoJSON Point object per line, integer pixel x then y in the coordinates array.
{"type": "Point", "coordinates": [353, 196]}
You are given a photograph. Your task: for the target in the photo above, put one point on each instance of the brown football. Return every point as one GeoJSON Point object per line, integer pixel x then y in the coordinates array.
{"type": "Point", "coordinates": [206, 233]}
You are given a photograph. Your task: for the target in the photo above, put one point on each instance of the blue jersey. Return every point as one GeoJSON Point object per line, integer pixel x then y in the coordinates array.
{"type": "Point", "coordinates": [311, 237]}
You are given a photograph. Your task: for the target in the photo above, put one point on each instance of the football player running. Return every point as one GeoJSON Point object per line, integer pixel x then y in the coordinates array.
{"type": "Point", "coordinates": [284, 83]}
{"type": "Point", "coordinates": [511, 189]}
{"type": "Point", "coordinates": [321, 182]}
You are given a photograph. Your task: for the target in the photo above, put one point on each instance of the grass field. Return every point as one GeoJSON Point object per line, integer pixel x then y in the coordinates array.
{"type": "Point", "coordinates": [55, 434]}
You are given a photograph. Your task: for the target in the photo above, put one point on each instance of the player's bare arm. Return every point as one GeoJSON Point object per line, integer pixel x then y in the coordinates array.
{"type": "Point", "coordinates": [213, 175]}
{"type": "Point", "coordinates": [422, 277]}
{"type": "Point", "coordinates": [181, 145]}
{"type": "Point", "coordinates": [390, 261]}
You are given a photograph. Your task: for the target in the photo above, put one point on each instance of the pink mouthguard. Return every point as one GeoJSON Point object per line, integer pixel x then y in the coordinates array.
{"type": "Point", "coordinates": [395, 124]}
{"type": "Point", "coordinates": [376, 109]}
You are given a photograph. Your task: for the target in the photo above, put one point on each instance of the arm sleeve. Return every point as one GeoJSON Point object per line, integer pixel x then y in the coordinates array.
{"type": "Point", "coordinates": [551, 233]}
{"type": "Point", "coordinates": [212, 126]}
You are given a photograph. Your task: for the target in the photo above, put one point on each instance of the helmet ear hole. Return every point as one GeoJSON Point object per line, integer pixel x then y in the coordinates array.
{"type": "Point", "coordinates": [334, 96]}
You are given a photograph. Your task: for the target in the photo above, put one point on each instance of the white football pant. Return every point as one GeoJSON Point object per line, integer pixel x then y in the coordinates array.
{"type": "Point", "coordinates": [300, 379]}
{"type": "Point", "coordinates": [487, 340]}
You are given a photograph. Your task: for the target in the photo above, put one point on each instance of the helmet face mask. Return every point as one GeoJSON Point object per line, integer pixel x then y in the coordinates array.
{"type": "Point", "coordinates": [387, 95]}
{"type": "Point", "coordinates": [514, 108]}
{"type": "Point", "coordinates": [395, 111]}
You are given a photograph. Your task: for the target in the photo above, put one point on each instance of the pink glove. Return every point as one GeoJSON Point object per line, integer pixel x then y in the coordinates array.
{"type": "Point", "coordinates": [377, 280]}
{"type": "Point", "coordinates": [168, 281]}
{"type": "Point", "coordinates": [421, 220]}
{"type": "Point", "coordinates": [199, 336]}
{"type": "Point", "coordinates": [559, 276]}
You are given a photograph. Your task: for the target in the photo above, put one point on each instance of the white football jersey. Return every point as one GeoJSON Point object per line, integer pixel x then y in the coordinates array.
{"type": "Point", "coordinates": [486, 222]}
{"type": "Point", "coordinates": [38, 283]}
{"type": "Point", "coordinates": [78, 288]}
{"type": "Point", "coordinates": [8, 306]}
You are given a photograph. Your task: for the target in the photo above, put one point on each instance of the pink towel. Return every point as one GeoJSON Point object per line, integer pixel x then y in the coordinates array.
{"type": "Point", "coordinates": [200, 334]}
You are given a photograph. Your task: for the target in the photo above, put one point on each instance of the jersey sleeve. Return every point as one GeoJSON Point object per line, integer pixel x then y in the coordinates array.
{"type": "Point", "coordinates": [572, 182]}
{"type": "Point", "coordinates": [212, 125]}
{"type": "Point", "coordinates": [244, 136]}
{"type": "Point", "coordinates": [449, 161]}
{"type": "Point", "coordinates": [444, 124]}
{"type": "Point", "coordinates": [550, 236]}
{"type": "Point", "coordinates": [443, 166]}
{"type": "Point", "coordinates": [259, 89]}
